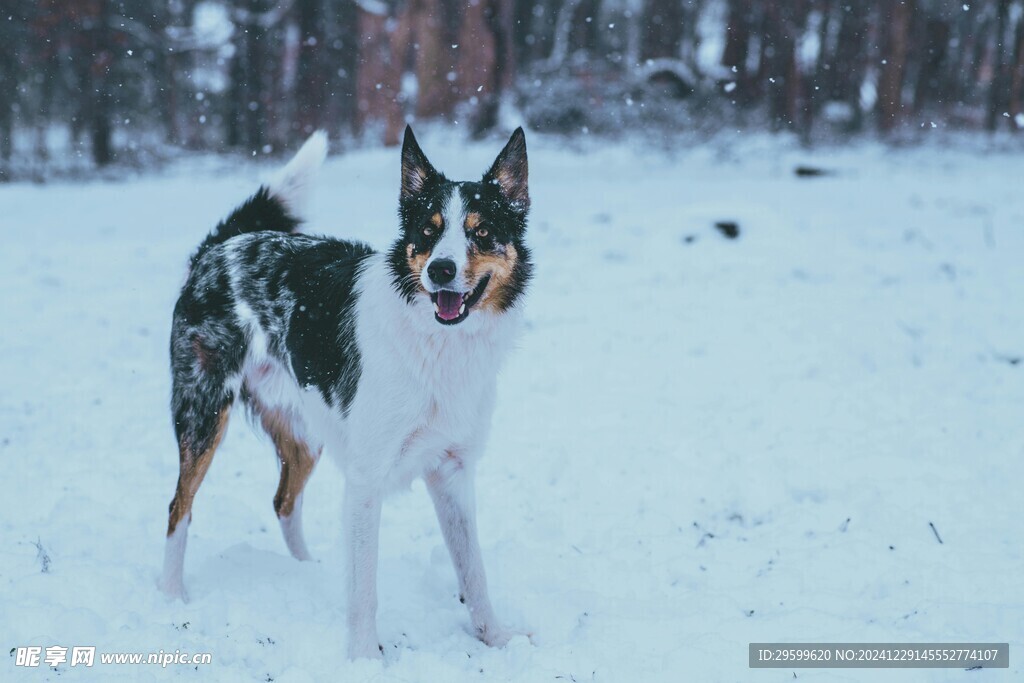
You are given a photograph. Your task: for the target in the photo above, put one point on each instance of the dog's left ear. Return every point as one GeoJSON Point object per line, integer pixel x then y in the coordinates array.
{"type": "Point", "coordinates": [511, 171]}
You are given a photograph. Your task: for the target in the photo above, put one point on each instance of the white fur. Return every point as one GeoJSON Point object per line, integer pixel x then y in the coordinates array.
{"type": "Point", "coordinates": [172, 581]}
{"type": "Point", "coordinates": [291, 529]}
{"type": "Point", "coordinates": [423, 408]}
{"type": "Point", "coordinates": [292, 184]}
{"type": "Point", "coordinates": [453, 245]}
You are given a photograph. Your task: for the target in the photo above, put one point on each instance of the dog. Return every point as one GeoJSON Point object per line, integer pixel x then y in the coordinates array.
{"type": "Point", "coordinates": [389, 360]}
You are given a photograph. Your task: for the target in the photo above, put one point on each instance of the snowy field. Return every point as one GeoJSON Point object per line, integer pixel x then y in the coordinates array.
{"type": "Point", "coordinates": [700, 442]}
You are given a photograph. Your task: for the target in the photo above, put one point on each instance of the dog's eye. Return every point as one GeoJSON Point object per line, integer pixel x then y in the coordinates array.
{"type": "Point", "coordinates": [481, 232]}
{"type": "Point", "coordinates": [428, 230]}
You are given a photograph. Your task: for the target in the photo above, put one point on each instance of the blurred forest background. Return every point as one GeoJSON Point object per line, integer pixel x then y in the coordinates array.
{"type": "Point", "coordinates": [105, 81]}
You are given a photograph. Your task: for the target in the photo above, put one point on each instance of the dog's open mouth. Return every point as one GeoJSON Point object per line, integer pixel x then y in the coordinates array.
{"type": "Point", "coordinates": [453, 307]}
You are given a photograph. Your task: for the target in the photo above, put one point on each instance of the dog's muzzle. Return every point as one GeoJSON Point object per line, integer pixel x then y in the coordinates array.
{"type": "Point", "coordinates": [452, 307]}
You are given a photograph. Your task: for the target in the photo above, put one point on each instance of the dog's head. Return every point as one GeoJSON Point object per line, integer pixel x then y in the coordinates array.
{"type": "Point", "coordinates": [462, 245]}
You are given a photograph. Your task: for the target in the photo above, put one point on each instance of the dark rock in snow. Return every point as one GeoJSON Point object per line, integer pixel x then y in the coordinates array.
{"type": "Point", "coordinates": [730, 229]}
{"type": "Point", "coordinates": [810, 172]}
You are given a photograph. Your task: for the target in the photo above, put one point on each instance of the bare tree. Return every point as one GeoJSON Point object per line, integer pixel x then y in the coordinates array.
{"type": "Point", "coordinates": [382, 57]}
{"type": "Point", "coordinates": [1017, 84]}
{"type": "Point", "coordinates": [662, 24]}
{"type": "Point", "coordinates": [897, 16]}
{"type": "Point", "coordinates": [779, 71]}
{"type": "Point", "coordinates": [436, 41]}
{"type": "Point", "coordinates": [739, 29]}
{"type": "Point", "coordinates": [930, 82]}
{"type": "Point", "coordinates": [849, 61]}
{"type": "Point", "coordinates": [311, 81]}
{"type": "Point", "coordinates": [998, 91]}
{"type": "Point", "coordinates": [98, 53]}
{"type": "Point", "coordinates": [485, 60]}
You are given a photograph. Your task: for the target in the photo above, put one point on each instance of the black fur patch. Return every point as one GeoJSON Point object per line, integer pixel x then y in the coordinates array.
{"type": "Point", "coordinates": [259, 212]}
{"type": "Point", "coordinates": [321, 334]}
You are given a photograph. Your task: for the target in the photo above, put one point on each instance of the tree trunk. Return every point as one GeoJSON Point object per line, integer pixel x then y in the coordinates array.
{"type": "Point", "coordinates": [929, 79]}
{"type": "Point", "coordinates": [435, 61]}
{"type": "Point", "coordinates": [102, 97]}
{"type": "Point", "coordinates": [897, 18]}
{"type": "Point", "coordinates": [848, 63]}
{"type": "Point", "coordinates": [340, 58]}
{"type": "Point", "coordinates": [170, 67]}
{"type": "Point", "coordinates": [254, 102]}
{"type": "Point", "coordinates": [998, 89]}
{"type": "Point", "coordinates": [738, 28]}
{"type": "Point", "coordinates": [563, 24]}
{"type": "Point", "coordinates": [524, 41]}
{"type": "Point", "coordinates": [378, 79]}
{"type": "Point", "coordinates": [485, 60]}
{"type": "Point", "coordinates": [663, 29]}
{"type": "Point", "coordinates": [311, 79]}
{"type": "Point", "coordinates": [8, 93]}
{"type": "Point", "coordinates": [1017, 85]}
{"type": "Point", "coordinates": [973, 55]}
{"type": "Point", "coordinates": [9, 48]}
{"type": "Point", "coordinates": [236, 94]}
{"type": "Point", "coordinates": [779, 71]}
{"type": "Point", "coordinates": [584, 32]}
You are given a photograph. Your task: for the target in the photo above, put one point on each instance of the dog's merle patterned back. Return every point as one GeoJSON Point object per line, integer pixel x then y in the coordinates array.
{"type": "Point", "coordinates": [300, 289]}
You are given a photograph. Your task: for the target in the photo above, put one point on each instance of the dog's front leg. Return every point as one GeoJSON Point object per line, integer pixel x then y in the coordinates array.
{"type": "Point", "coordinates": [362, 530]}
{"type": "Point", "coordinates": [451, 488]}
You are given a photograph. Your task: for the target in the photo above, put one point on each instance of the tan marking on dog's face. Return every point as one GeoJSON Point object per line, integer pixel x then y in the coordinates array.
{"type": "Point", "coordinates": [472, 220]}
{"type": "Point", "coordinates": [417, 262]}
{"type": "Point", "coordinates": [437, 220]}
{"type": "Point", "coordinates": [500, 266]}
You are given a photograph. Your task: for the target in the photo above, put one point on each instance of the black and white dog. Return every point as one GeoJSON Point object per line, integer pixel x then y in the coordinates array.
{"type": "Point", "coordinates": [389, 360]}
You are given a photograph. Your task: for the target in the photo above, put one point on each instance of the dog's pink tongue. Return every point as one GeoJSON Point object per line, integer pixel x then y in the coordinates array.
{"type": "Point", "coordinates": [448, 304]}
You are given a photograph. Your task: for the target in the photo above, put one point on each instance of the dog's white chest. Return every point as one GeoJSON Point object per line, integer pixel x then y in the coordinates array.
{"type": "Point", "coordinates": [424, 392]}
{"type": "Point", "coordinates": [454, 399]}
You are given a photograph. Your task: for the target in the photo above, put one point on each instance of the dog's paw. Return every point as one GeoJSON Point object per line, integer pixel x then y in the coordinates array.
{"type": "Point", "coordinates": [174, 590]}
{"type": "Point", "coordinates": [365, 651]}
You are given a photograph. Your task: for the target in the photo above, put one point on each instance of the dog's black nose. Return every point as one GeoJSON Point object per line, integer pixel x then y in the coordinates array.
{"type": "Point", "coordinates": [442, 271]}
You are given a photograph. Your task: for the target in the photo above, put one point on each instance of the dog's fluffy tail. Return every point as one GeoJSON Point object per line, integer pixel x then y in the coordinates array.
{"type": "Point", "coordinates": [292, 184]}
{"type": "Point", "coordinates": [280, 204]}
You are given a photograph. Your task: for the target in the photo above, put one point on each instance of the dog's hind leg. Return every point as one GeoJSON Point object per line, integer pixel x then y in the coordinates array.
{"type": "Point", "coordinates": [197, 442]}
{"type": "Point", "coordinates": [297, 461]}
{"type": "Point", "coordinates": [205, 361]}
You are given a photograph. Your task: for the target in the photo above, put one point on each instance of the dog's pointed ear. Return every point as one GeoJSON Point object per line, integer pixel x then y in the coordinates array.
{"type": "Point", "coordinates": [416, 169]}
{"type": "Point", "coordinates": [511, 172]}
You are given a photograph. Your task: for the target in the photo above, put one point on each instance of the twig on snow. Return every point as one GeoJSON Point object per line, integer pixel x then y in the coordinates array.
{"type": "Point", "coordinates": [42, 556]}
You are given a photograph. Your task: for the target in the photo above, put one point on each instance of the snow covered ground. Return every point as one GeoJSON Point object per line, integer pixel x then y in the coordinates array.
{"type": "Point", "coordinates": [701, 442]}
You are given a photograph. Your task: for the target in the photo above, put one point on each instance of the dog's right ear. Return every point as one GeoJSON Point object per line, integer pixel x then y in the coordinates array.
{"type": "Point", "coordinates": [416, 169]}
